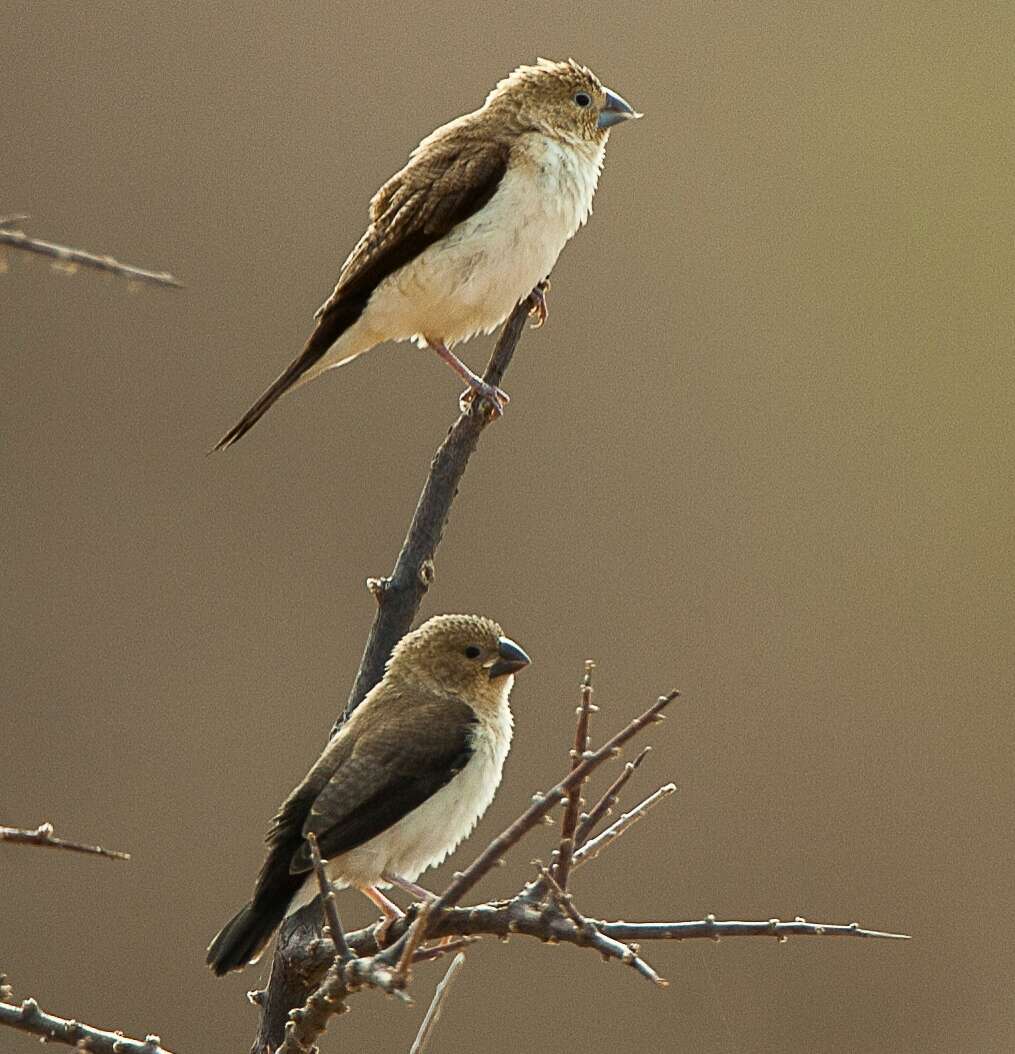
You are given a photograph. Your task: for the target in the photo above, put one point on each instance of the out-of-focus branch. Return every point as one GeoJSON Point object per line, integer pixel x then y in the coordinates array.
{"type": "Point", "coordinates": [69, 259]}
{"type": "Point", "coordinates": [29, 1018]}
{"type": "Point", "coordinates": [43, 835]}
{"type": "Point", "coordinates": [436, 1006]}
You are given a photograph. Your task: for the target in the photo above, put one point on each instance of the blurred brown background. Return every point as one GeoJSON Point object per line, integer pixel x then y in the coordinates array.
{"type": "Point", "coordinates": [761, 452]}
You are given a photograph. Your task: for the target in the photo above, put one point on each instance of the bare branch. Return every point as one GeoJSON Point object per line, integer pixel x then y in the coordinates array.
{"type": "Point", "coordinates": [43, 835]}
{"type": "Point", "coordinates": [15, 217]}
{"type": "Point", "coordinates": [561, 866]}
{"type": "Point", "coordinates": [604, 806]}
{"type": "Point", "coordinates": [433, 1014]}
{"type": "Point", "coordinates": [715, 930]}
{"type": "Point", "coordinates": [70, 259]}
{"type": "Point", "coordinates": [593, 848]}
{"type": "Point", "coordinates": [29, 1018]}
{"type": "Point", "coordinates": [548, 924]}
{"type": "Point", "coordinates": [465, 880]}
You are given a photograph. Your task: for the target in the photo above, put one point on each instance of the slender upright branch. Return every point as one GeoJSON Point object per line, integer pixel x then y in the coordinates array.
{"type": "Point", "coordinates": [29, 1018]}
{"type": "Point", "coordinates": [561, 866]}
{"type": "Point", "coordinates": [43, 835]}
{"type": "Point", "coordinates": [70, 259]}
{"type": "Point", "coordinates": [398, 597]}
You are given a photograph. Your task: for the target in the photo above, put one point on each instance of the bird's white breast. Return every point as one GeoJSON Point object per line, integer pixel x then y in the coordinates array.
{"type": "Point", "coordinates": [470, 280]}
{"type": "Point", "coordinates": [424, 837]}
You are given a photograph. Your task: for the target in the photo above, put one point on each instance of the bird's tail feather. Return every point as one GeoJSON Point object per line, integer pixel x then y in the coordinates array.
{"type": "Point", "coordinates": [242, 939]}
{"type": "Point", "coordinates": [332, 325]}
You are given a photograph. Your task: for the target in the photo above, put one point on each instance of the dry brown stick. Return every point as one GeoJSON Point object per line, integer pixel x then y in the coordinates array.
{"type": "Point", "coordinates": [465, 880]}
{"type": "Point", "coordinates": [329, 902]}
{"type": "Point", "coordinates": [560, 867]}
{"type": "Point", "coordinates": [29, 1018]}
{"type": "Point", "coordinates": [398, 600]}
{"type": "Point", "coordinates": [591, 849]}
{"type": "Point", "coordinates": [72, 258]}
{"type": "Point", "coordinates": [43, 835]}
{"type": "Point", "coordinates": [588, 821]}
{"type": "Point", "coordinates": [436, 1006]}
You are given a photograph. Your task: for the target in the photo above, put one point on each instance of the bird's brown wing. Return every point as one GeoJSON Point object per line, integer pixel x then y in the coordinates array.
{"type": "Point", "coordinates": [446, 181]}
{"type": "Point", "coordinates": [391, 769]}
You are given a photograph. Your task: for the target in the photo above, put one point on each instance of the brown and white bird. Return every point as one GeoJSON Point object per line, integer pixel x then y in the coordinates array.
{"type": "Point", "coordinates": [468, 228]}
{"type": "Point", "coordinates": [399, 786]}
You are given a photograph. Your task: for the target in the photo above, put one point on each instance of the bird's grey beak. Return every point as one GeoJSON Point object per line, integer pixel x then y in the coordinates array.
{"type": "Point", "coordinates": [512, 659]}
{"type": "Point", "coordinates": [616, 110]}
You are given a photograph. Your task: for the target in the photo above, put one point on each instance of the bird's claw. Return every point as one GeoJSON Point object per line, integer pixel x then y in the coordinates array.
{"type": "Point", "coordinates": [494, 397]}
{"type": "Point", "coordinates": [539, 310]}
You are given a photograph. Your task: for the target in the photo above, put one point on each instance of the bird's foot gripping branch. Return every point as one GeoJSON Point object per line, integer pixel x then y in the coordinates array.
{"type": "Point", "coordinates": [336, 967]}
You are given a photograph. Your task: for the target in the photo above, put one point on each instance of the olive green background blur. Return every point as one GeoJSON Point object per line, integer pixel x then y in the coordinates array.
{"type": "Point", "coordinates": [760, 452]}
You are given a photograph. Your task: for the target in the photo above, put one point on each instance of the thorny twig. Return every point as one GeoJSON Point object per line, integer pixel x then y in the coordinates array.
{"type": "Point", "coordinates": [588, 822]}
{"type": "Point", "coordinates": [592, 848]}
{"type": "Point", "coordinates": [43, 835]}
{"type": "Point", "coordinates": [68, 259]}
{"type": "Point", "coordinates": [560, 867]}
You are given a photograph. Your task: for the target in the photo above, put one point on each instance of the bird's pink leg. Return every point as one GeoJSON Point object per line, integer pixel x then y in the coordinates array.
{"type": "Point", "coordinates": [389, 908]}
{"type": "Point", "coordinates": [496, 397]}
{"type": "Point", "coordinates": [421, 893]}
{"type": "Point", "coordinates": [414, 890]}
{"type": "Point", "coordinates": [539, 310]}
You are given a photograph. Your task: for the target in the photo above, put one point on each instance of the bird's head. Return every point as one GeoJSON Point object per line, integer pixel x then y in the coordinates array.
{"type": "Point", "coordinates": [562, 99]}
{"type": "Point", "coordinates": [458, 653]}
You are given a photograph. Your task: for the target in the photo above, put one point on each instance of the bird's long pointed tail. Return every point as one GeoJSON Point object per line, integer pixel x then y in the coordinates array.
{"type": "Point", "coordinates": [332, 324]}
{"type": "Point", "coordinates": [242, 939]}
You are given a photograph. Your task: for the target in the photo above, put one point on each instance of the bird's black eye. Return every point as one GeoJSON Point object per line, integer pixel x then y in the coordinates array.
{"type": "Point", "coordinates": [583, 99]}
{"type": "Point", "coordinates": [472, 652]}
